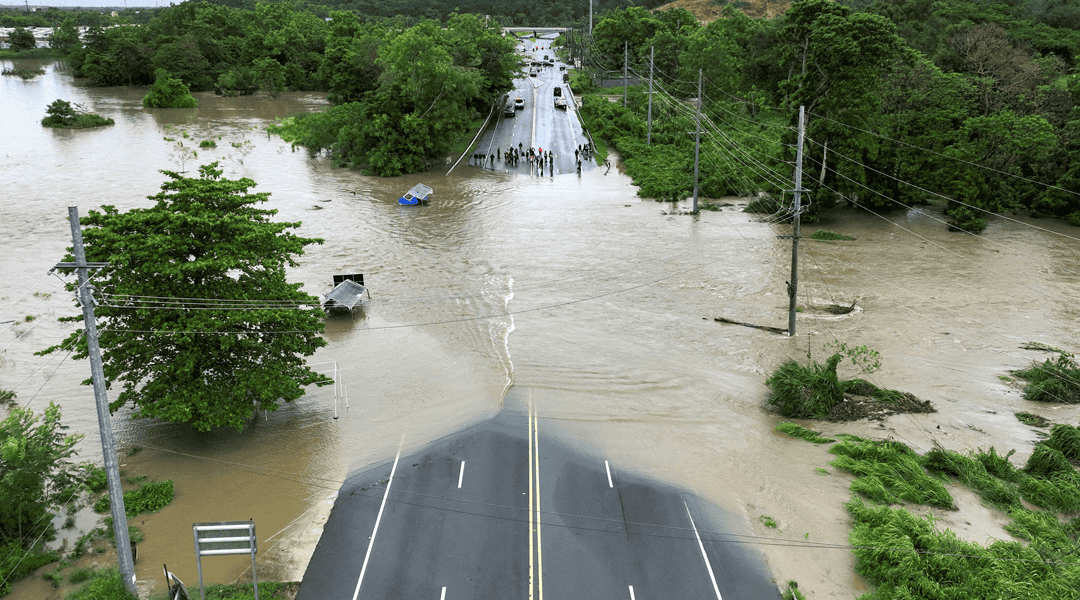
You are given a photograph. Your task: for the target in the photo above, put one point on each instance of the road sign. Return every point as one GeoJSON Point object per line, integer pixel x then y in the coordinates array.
{"type": "Point", "coordinates": [222, 538]}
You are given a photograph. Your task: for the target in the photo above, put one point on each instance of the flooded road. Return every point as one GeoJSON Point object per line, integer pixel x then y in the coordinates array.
{"type": "Point", "coordinates": [597, 302]}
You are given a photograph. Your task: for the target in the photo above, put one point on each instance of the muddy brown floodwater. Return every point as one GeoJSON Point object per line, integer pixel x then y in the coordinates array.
{"type": "Point", "coordinates": [599, 302]}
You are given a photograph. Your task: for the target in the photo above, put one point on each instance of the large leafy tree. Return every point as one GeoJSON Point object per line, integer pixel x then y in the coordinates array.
{"type": "Point", "coordinates": [199, 324]}
{"type": "Point", "coordinates": [36, 475]}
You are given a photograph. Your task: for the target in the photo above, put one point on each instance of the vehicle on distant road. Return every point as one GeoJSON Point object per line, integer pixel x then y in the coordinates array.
{"type": "Point", "coordinates": [560, 103]}
{"type": "Point", "coordinates": [558, 91]}
{"type": "Point", "coordinates": [519, 103]}
{"type": "Point", "coordinates": [509, 111]}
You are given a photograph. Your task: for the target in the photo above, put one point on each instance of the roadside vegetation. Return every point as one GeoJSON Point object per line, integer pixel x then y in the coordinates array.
{"type": "Point", "coordinates": [37, 480]}
{"type": "Point", "coordinates": [61, 114]}
{"type": "Point", "coordinates": [966, 104]}
{"type": "Point", "coordinates": [902, 551]}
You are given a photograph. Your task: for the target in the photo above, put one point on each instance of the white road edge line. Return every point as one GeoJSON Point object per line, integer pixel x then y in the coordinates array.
{"type": "Point", "coordinates": [632, 593]}
{"type": "Point", "coordinates": [371, 543]}
{"type": "Point", "coordinates": [461, 474]}
{"type": "Point", "coordinates": [611, 485]}
{"type": "Point", "coordinates": [443, 596]}
{"type": "Point", "coordinates": [705, 556]}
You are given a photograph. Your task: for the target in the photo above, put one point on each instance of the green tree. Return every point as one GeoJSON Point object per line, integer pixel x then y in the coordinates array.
{"type": "Point", "coordinates": [65, 38]}
{"type": "Point", "coordinates": [20, 39]}
{"type": "Point", "coordinates": [60, 112]}
{"type": "Point", "coordinates": [36, 474]}
{"type": "Point", "coordinates": [207, 363]}
{"type": "Point", "coordinates": [168, 92]}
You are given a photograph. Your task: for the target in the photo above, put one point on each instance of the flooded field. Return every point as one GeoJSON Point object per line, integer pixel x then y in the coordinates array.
{"type": "Point", "coordinates": [597, 301]}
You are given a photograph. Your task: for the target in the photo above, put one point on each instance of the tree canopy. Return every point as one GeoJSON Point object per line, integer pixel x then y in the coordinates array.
{"type": "Point", "coordinates": [198, 322]}
{"type": "Point", "coordinates": [971, 103]}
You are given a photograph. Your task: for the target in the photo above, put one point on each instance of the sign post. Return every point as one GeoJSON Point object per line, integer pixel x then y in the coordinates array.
{"type": "Point", "coordinates": [222, 538]}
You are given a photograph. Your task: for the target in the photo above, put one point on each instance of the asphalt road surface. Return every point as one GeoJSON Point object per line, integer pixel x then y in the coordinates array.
{"type": "Point", "coordinates": [501, 512]}
{"type": "Point", "coordinates": [539, 125]}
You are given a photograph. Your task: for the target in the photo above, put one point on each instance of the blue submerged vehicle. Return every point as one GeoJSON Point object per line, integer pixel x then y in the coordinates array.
{"type": "Point", "coordinates": [419, 194]}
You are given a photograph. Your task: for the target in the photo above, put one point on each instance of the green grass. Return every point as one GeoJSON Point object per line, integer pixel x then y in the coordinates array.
{"type": "Point", "coordinates": [208, 144]}
{"type": "Point", "coordinates": [905, 556]}
{"type": "Point", "coordinates": [104, 585]}
{"type": "Point", "coordinates": [768, 521]}
{"type": "Point", "coordinates": [81, 574]}
{"type": "Point", "coordinates": [461, 146]}
{"type": "Point", "coordinates": [268, 590]}
{"type": "Point", "coordinates": [149, 497]}
{"type": "Point", "coordinates": [24, 73]}
{"type": "Point", "coordinates": [1032, 419]}
{"type": "Point", "coordinates": [34, 53]}
{"type": "Point", "coordinates": [821, 471]}
{"type": "Point", "coordinates": [889, 473]}
{"type": "Point", "coordinates": [792, 592]}
{"type": "Point", "coordinates": [823, 235]}
{"type": "Point", "coordinates": [1054, 380]}
{"type": "Point", "coordinates": [1065, 439]}
{"type": "Point", "coordinates": [806, 392]}
{"type": "Point", "coordinates": [795, 430]}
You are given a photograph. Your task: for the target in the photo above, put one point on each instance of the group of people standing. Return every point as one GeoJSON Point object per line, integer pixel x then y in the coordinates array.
{"type": "Point", "coordinates": [538, 158]}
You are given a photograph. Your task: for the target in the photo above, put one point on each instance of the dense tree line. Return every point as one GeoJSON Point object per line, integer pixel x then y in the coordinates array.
{"type": "Point", "coordinates": [507, 12]}
{"type": "Point", "coordinates": [972, 100]}
{"type": "Point", "coordinates": [403, 96]}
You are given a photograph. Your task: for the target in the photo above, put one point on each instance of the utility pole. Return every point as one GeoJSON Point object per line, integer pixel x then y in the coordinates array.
{"type": "Point", "coordinates": [648, 136]}
{"type": "Point", "coordinates": [590, 18]}
{"type": "Point", "coordinates": [624, 47]}
{"type": "Point", "coordinates": [793, 285]}
{"type": "Point", "coordinates": [697, 140]}
{"type": "Point", "coordinates": [97, 373]}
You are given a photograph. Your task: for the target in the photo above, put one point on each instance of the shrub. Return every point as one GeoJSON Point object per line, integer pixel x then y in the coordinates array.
{"type": "Point", "coordinates": [20, 39]}
{"type": "Point", "coordinates": [208, 144]}
{"type": "Point", "coordinates": [62, 114]}
{"type": "Point", "coordinates": [16, 563]}
{"type": "Point", "coordinates": [168, 92]}
{"type": "Point", "coordinates": [821, 234]}
{"type": "Point", "coordinates": [965, 219]}
{"type": "Point", "coordinates": [96, 480]}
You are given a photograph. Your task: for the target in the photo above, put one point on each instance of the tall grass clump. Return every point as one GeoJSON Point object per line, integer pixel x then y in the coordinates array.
{"type": "Point", "coordinates": [889, 472]}
{"type": "Point", "coordinates": [106, 584]}
{"type": "Point", "coordinates": [149, 497]}
{"type": "Point", "coordinates": [1060, 492]}
{"type": "Point", "coordinates": [806, 392]}
{"type": "Point", "coordinates": [1054, 380]}
{"type": "Point", "coordinates": [906, 557]}
{"type": "Point", "coordinates": [1066, 440]}
{"type": "Point", "coordinates": [972, 472]}
{"type": "Point", "coordinates": [795, 430]}
{"type": "Point", "coordinates": [1040, 528]}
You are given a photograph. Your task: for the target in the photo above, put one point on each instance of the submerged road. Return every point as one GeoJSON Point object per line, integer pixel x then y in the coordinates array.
{"type": "Point", "coordinates": [539, 124]}
{"type": "Point", "coordinates": [500, 512]}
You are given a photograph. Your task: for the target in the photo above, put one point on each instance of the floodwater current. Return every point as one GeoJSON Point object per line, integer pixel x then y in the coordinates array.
{"type": "Point", "coordinates": [599, 302]}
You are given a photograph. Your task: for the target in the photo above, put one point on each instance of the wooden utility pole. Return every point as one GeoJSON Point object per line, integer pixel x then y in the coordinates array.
{"type": "Point", "coordinates": [697, 141]}
{"type": "Point", "coordinates": [793, 285]}
{"type": "Point", "coordinates": [648, 135]}
{"type": "Point", "coordinates": [97, 373]}
{"type": "Point", "coordinates": [624, 47]}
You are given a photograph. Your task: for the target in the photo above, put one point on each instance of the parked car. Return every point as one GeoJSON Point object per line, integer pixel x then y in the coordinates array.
{"type": "Point", "coordinates": [519, 103]}
{"type": "Point", "coordinates": [558, 91]}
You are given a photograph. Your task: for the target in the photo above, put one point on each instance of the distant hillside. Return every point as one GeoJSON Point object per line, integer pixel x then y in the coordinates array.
{"type": "Point", "coordinates": [709, 10]}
